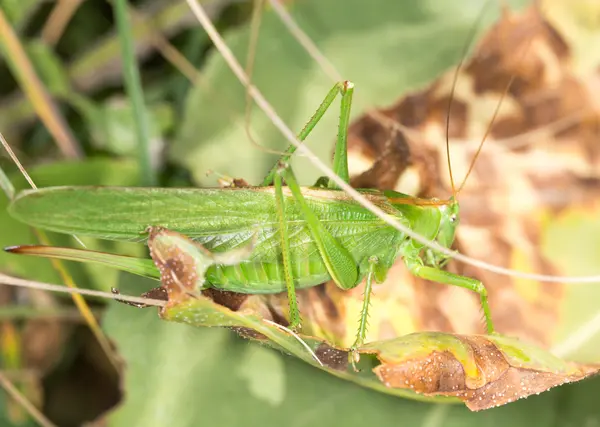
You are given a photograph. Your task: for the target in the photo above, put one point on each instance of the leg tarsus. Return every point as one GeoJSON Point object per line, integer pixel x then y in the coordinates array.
{"type": "Point", "coordinates": [159, 293]}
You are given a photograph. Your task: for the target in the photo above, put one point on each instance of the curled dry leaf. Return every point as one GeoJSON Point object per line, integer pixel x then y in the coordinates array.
{"type": "Point", "coordinates": [182, 263]}
{"type": "Point", "coordinates": [482, 371]}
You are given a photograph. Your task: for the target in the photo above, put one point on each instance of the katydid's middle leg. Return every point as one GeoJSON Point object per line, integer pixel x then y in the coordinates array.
{"type": "Point", "coordinates": [340, 159]}
{"type": "Point", "coordinates": [285, 254]}
{"type": "Point", "coordinates": [361, 334]}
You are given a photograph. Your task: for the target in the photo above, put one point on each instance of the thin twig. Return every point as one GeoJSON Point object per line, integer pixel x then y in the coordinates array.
{"type": "Point", "coordinates": [14, 281]}
{"type": "Point", "coordinates": [13, 392]}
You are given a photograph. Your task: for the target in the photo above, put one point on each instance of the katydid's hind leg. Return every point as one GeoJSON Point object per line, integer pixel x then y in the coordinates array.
{"type": "Point", "coordinates": [340, 162]}
{"type": "Point", "coordinates": [338, 260]}
{"type": "Point", "coordinates": [340, 156]}
{"type": "Point", "coordinates": [285, 253]}
{"type": "Point", "coordinates": [447, 278]}
{"type": "Point", "coordinates": [363, 323]}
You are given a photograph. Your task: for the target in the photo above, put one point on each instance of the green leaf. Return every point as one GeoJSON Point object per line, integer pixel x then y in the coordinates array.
{"type": "Point", "coordinates": [482, 371]}
{"type": "Point", "coordinates": [112, 125]}
{"type": "Point", "coordinates": [180, 375]}
{"type": "Point", "coordinates": [571, 241]}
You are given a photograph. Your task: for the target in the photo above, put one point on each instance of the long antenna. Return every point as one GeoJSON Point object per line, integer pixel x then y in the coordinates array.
{"type": "Point", "coordinates": [487, 133]}
{"type": "Point", "coordinates": [463, 55]}
{"type": "Point", "coordinates": [493, 119]}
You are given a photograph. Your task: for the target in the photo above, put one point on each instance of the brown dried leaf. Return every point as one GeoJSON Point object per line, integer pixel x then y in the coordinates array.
{"type": "Point", "coordinates": [482, 371]}
{"type": "Point", "coordinates": [182, 264]}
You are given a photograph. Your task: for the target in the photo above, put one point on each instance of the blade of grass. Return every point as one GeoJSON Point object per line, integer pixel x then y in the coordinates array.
{"type": "Point", "coordinates": [10, 344]}
{"type": "Point", "coordinates": [166, 49]}
{"type": "Point", "coordinates": [36, 92]}
{"type": "Point", "coordinates": [56, 23]}
{"type": "Point", "coordinates": [133, 88]}
{"type": "Point", "coordinates": [11, 355]}
{"type": "Point", "coordinates": [20, 13]}
{"type": "Point", "coordinates": [101, 63]}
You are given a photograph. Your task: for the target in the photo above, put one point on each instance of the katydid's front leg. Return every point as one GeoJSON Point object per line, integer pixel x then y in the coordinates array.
{"type": "Point", "coordinates": [415, 265]}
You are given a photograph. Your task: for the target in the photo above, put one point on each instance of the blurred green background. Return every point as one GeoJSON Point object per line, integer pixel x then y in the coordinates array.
{"type": "Point", "coordinates": [176, 375]}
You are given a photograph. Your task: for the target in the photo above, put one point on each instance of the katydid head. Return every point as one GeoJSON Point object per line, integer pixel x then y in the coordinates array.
{"type": "Point", "coordinates": [449, 219]}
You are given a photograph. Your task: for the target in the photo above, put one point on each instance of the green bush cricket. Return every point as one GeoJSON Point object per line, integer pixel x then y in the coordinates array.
{"type": "Point", "coordinates": [304, 226]}
{"type": "Point", "coordinates": [304, 236]}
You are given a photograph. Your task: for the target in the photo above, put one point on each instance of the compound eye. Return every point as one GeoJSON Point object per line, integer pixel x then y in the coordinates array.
{"type": "Point", "coordinates": [453, 218]}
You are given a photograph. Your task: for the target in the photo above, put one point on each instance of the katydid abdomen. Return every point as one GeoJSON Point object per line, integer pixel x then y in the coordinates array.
{"type": "Point", "coordinates": [222, 220]}
{"type": "Point", "coordinates": [264, 274]}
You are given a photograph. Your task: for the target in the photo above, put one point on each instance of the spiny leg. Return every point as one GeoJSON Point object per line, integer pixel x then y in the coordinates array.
{"type": "Point", "coordinates": [285, 253]}
{"type": "Point", "coordinates": [340, 156]}
{"type": "Point", "coordinates": [338, 260]}
{"type": "Point", "coordinates": [361, 334]}
{"type": "Point", "coordinates": [445, 277]}
{"type": "Point", "coordinates": [340, 160]}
